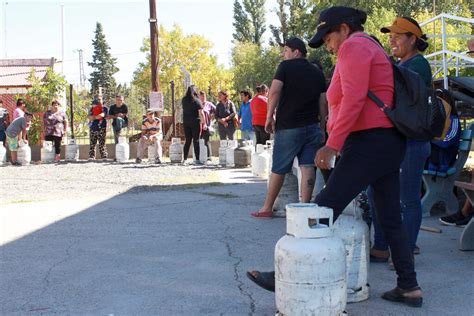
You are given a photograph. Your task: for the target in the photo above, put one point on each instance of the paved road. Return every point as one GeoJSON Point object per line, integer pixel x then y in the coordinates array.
{"type": "Point", "coordinates": [181, 251]}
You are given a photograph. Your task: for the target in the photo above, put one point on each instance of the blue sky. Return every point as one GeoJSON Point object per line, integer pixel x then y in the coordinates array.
{"type": "Point", "coordinates": [33, 28]}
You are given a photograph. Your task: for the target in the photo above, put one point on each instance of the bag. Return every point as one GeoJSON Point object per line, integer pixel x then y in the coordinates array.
{"type": "Point", "coordinates": [447, 122]}
{"type": "Point", "coordinates": [417, 113]}
{"type": "Point", "coordinates": [211, 130]}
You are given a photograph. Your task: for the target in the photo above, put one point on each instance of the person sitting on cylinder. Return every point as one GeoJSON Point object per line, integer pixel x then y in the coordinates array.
{"type": "Point", "coordinates": [151, 136]}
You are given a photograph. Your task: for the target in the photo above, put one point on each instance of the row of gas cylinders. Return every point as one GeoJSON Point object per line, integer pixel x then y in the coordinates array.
{"type": "Point", "coordinates": [241, 154]}
{"type": "Point", "coordinates": [47, 152]}
{"type": "Point", "coordinates": [319, 268]}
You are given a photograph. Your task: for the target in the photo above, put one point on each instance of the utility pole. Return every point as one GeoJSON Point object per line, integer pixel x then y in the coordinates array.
{"type": "Point", "coordinates": [82, 76]}
{"type": "Point", "coordinates": [173, 108]}
{"type": "Point", "coordinates": [155, 85]}
{"type": "Point", "coordinates": [62, 39]}
{"type": "Point", "coordinates": [5, 29]}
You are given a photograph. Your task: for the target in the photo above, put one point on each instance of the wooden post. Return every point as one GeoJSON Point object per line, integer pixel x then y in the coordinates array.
{"type": "Point", "coordinates": [155, 85]}
{"type": "Point", "coordinates": [172, 108]}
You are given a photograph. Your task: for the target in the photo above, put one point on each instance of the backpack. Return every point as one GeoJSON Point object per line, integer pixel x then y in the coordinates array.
{"type": "Point", "coordinates": [447, 122]}
{"type": "Point", "coordinates": [417, 113]}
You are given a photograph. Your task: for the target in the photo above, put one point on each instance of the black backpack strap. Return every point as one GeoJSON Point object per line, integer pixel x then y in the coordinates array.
{"type": "Point", "coordinates": [370, 94]}
{"type": "Point", "coordinates": [376, 99]}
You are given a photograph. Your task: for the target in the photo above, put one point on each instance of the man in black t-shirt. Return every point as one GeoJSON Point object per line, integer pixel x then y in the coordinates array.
{"type": "Point", "coordinates": [119, 113]}
{"type": "Point", "coordinates": [295, 102]}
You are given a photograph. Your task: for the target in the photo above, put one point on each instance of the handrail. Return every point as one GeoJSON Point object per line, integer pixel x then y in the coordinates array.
{"type": "Point", "coordinates": [454, 54]}
{"type": "Point", "coordinates": [444, 52]}
{"type": "Point", "coordinates": [448, 16]}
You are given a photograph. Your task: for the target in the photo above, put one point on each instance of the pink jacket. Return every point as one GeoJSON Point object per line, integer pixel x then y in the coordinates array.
{"type": "Point", "coordinates": [361, 65]}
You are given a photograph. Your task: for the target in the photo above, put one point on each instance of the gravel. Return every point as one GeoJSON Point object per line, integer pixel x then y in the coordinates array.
{"type": "Point", "coordinates": [40, 182]}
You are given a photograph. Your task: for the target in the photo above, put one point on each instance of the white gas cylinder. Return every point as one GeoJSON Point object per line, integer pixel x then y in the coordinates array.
{"type": "Point", "coordinates": [202, 151]}
{"type": "Point", "coordinates": [269, 148]}
{"type": "Point", "coordinates": [72, 151]}
{"type": "Point", "coordinates": [261, 162]}
{"type": "Point", "coordinates": [259, 149]}
{"type": "Point", "coordinates": [223, 144]}
{"type": "Point", "coordinates": [24, 153]}
{"type": "Point", "coordinates": [229, 154]}
{"type": "Point", "coordinates": [176, 150]}
{"type": "Point", "coordinates": [122, 150]}
{"type": "Point", "coordinates": [47, 152]}
{"type": "Point", "coordinates": [354, 232]}
{"type": "Point", "coordinates": [3, 154]}
{"type": "Point", "coordinates": [310, 265]}
{"type": "Point", "coordinates": [288, 194]}
{"type": "Point", "coordinates": [151, 153]}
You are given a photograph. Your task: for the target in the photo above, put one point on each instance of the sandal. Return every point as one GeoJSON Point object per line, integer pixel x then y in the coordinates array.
{"type": "Point", "coordinates": [398, 295]}
{"type": "Point", "coordinates": [266, 214]}
{"type": "Point", "coordinates": [265, 280]}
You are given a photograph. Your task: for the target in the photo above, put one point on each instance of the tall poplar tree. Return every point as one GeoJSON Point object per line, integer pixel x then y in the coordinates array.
{"type": "Point", "coordinates": [249, 21]}
{"type": "Point", "coordinates": [104, 66]}
{"type": "Point", "coordinates": [296, 19]}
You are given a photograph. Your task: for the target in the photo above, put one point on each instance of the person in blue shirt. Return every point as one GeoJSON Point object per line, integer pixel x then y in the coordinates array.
{"type": "Point", "coordinates": [245, 116]}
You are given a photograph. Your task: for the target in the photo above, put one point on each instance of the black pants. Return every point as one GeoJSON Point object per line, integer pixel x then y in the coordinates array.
{"type": "Point", "coordinates": [206, 135]}
{"type": "Point", "coordinates": [373, 157]}
{"type": "Point", "coordinates": [192, 133]}
{"type": "Point", "coordinates": [226, 132]}
{"type": "Point", "coordinates": [57, 142]}
{"type": "Point", "coordinates": [260, 134]}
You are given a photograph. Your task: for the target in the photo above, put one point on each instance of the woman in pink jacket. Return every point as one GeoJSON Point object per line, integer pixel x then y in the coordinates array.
{"type": "Point", "coordinates": [370, 148]}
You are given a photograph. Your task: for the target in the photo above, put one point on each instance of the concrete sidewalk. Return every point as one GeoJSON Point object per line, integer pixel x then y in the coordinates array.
{"type": "Point", "coordinates": [183, 251]}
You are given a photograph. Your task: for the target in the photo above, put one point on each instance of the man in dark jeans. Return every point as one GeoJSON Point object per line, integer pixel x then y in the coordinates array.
{"type": "Point", "coordinates": [119, 113]}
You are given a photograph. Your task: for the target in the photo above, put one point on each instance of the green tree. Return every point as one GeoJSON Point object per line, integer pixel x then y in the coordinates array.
{"type": "Point", "coordinates": [253, 65]}
{"type": "Point", "coordinates": [241, 24]}
{"type": "Point", "coordinates": [177, 51]}
{"type": "Point", "coordinates": [104, 66]}
{"type": "Point", "coordinates": [296, 19]}
{"type": "Point", "coordinates": [39, 97]}
{"type": "Point", "coordinates": [249, 21]}
{"type": "Point", "coordinates": [280, 33]}
{"type": "Point", "coordinates": [82, 104]}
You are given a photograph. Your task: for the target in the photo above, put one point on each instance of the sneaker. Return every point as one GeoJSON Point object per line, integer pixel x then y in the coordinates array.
{"type": "Point", "coordinates": [157, 161]}
{"type": "Point", "coordinates": [463, 222]}
{"type": "Point", "coordinates": [91, 159]}
{"type": "Point", "coordinates": [138, 160]}
{"type": "Point", "coordinates": [452, 219]}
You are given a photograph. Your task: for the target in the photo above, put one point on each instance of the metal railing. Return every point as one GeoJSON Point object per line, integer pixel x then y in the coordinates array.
{"type": "Point", "coordinates": [458, 60]}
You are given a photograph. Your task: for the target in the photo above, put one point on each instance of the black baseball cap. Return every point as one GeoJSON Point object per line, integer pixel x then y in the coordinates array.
{"type": "Point", "coordinates": [295, 43]}
{"type": "Point", "coordinates": [334, 16]}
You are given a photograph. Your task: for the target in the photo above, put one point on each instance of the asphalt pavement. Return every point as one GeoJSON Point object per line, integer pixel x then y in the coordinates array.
{"type": "Point", "coordinates": [183, 251]}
